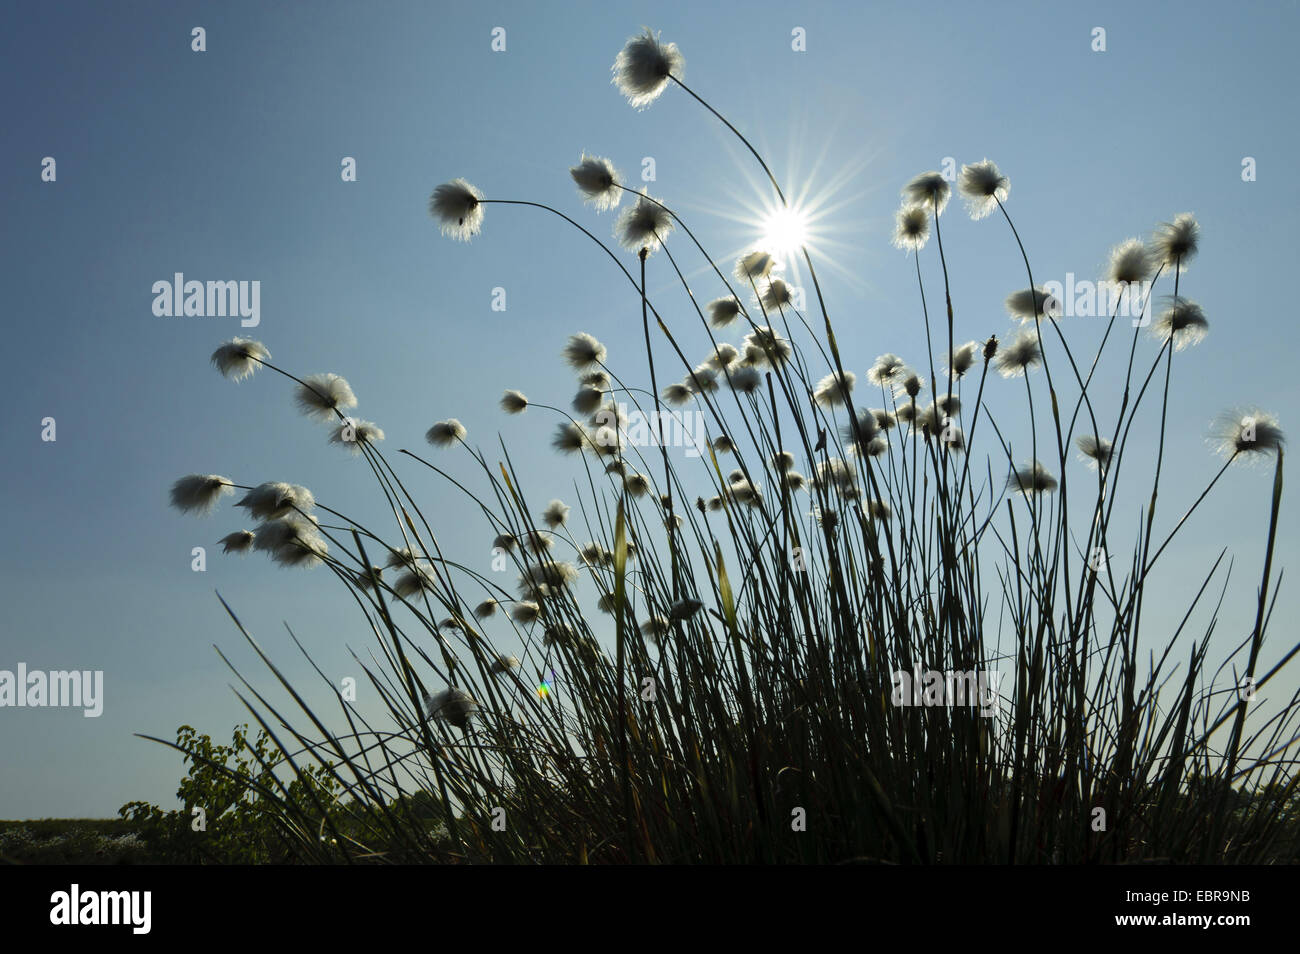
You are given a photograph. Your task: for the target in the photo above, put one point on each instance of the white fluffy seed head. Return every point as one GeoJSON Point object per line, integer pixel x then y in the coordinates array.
{"type": "Point", "coordinates": [514, 402]}
{"type": "Point", "coordinates": [583, 352]}
{"type": "Point", "coordinates": [887, 369]}
{"type": "Point", "coordinates": [776, 295]}
{"type": "Point", "coordinates": [504, 664]}
{"type": "Point", "coordinates": [723, 311]}
{"type": "Point", "coordinates": [643, 225]}
{"type": "Point", "coordinates": [445, 433]}
{"type": "Point", "coordinates": [754, 266]}
{"type": "Point", "coordinates": [597, 180]}
{"type": "Point", "coordinates": [1032, 478]}
{"type": "Point", "coordinates": [587, 400]}
{"type": "Point", "coordinates": [769, 347]}
{"type": "Point", "coordinates": [241, 541]}
{"type": "Point", "coordinates": [291, 541]}
{"type": "Point", "coordinates": [1130, 262]}
{"type": "Point", "coordinates": [199, 493]}
{"type": "Point", "coordinates": [1094, 451]}
{"type": "Point", "coordinates": [570, 438]}
{"type": "Point", "coordinates": [642, 68]}
{"type": "Point", "coordinates": [1030, 304]}
{"type": "Point", "coordinates": [237, 358]}
{"type": "Point", "coordinates": [676, 395]}
{"type": "Point", "coordinates": [556, 514]}
{"type": "Point", "coordinates": [984, 186]}
{"type": "Point", "coordinates": [929, 190]}
{"type": "Point", "coordinates": [961, 359]}
{"type": "Point", "coordinates": [746, 380]}
{"type": "Point", "coordinates": [455, 706]}
{"type": "Point", "coordinates": [834, 390]}
{"type": "Point", "coordinates": [723, 355]}
{"type": "Point", "coordinates": [911, 228]}
{"type": "Point", "coordinates": [1182, 323]}
{"type": "Point", "coordinates": [324, 396]}
{"type": "Point", "coordinates": [1019, 355]}
{"type": "Point", "coordinates": [276, 499]}
{"type": "Point", "coordinates": [1248, 433]}
{"type": "Point", "coordinates": [458, 208]}
{"type": "Point", "coordinates": [1175, 243]}
{"type": "Point", "coordinates": [351, 434]}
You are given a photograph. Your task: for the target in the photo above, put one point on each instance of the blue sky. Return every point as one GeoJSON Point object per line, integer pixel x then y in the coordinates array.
{"type": "Point", "coordinates": [225, 165]}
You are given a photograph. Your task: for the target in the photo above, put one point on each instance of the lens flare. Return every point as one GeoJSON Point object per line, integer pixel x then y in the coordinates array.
{"type": "Point", "coordinates": [785, 231]}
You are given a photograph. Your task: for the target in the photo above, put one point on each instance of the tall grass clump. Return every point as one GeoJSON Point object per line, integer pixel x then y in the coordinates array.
{"type": "Point", "coordinates": [765, 647]}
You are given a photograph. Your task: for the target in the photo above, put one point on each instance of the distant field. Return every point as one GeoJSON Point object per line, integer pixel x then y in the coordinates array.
{"type": "Point", "coordinates": [71, 841]}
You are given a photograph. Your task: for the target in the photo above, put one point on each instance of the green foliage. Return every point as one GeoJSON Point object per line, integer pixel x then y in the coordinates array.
{"type": "Point", "coordinates": [230, 815]}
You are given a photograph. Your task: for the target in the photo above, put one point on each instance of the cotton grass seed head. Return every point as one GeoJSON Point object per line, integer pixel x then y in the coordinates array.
{"type": "Point", "coordinates": [1248, 433]}
{"type": "Point", "coordinates": [723, 355]}
{"type": "Point", "coordinates": [570, 438]}
{"type": "Point", "coordinates": [930, 191]}
{"type": "Point", "coordinates": [1030, 304]}
{"type": "Point", "coordinates": [417, 579]}
{"type": "Point", "coordinates": [702, 380]}
{"type": "Point", "coordinates": [199, 493]}
{"type": "Point", "coordinates": [556, 514]}
{"type": "Point", "coordinates": [911, 228]}
{"type": "Point", "coordinates": [676, 395]}
{"type": "Point", "coordinates": [455, 706]}
{"type": "Point", "coordinates": [984, 186]}
{"type": "Point", "coordinates": [754, 266]}
{"type": "Point", "coordinates": [774, 349]}
{"type": "Point", "coordinates": [514, 402]}
{"type": "Point", "coordinates": [642, 68]}
{"type": "Point", "coordinates": [776, 295]}
{"type": "Point", "coordinates": [1183, 323]}
{"type": "Point", "coordinates": [597, 180]}
{"type": "Point", "coordinates": [1021, 354]}
{"type": "Point", "coordinates": [723, 311]}
{"type": "Point", "coordinates": [834, 390]}
{"type": "Point", "coordinates": [1175, 243]}
{"type": "Point", "coordinates": [587, 400]}
{"type": "Point", "coordinates": [886, 370]}
{"type": "Point", "coordinates": [323, 396]}
{"type": "Point", "coordinates": [746, 380]}
{"type": "Point", "coordinates": [1031, 479]}
{"type": "Point", "coordinates": [1093, 450]}
{"type": "Point", "coordinates": [504, 664]}
{"type": "Point", "coordinates": [583, 352]}
{"type": "Point", "coordinates": [351, 434]}
{"type": "Point", "coordinates": [525, 612]}
{"type": "Point", "coordinates": [458, 209]}
{"type": "Point", "coordinates": [237, 358]}
{"type": "Point", "coordinates": [445, 433]}
{"type": "Point", "coordinates": [241, 541]}
{"type": "Point", "coordinates": [1130, 263]}
{"type": "Point", "coordinates": [961, 359]}
{"type": "Point", "coordinates": [643, 225]}
{"type": "Point", "coordinates": [684, 609]}
{"type": "Point", "coordinates": [291, 541]}
{"type": "Point", "coordinates": [275, 499]}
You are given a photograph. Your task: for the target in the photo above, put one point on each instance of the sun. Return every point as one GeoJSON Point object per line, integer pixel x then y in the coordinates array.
{"type": "Point", "coordinates": [785, 232]}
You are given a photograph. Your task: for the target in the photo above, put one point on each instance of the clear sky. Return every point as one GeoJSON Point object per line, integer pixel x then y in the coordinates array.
{"type": "Point", "coordinates": [225, 165]}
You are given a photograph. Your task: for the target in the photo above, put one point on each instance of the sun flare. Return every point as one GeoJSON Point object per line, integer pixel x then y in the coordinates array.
{"type": "Point", "coordinates": [785, 231]}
